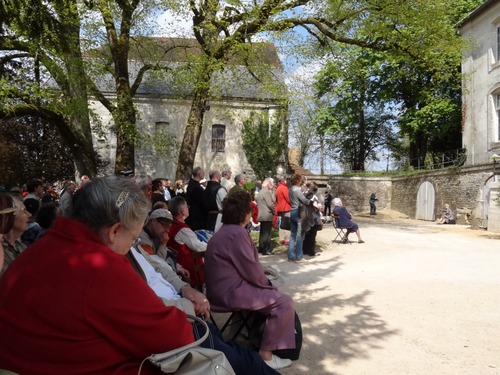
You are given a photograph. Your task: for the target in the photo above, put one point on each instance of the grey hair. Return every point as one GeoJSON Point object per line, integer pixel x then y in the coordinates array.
{"type": "Point", "coordinates": [176, 204]}
{"type": "Point", "coordinates": [226, 171]}
{"type": "Point", "coordinates": [337, 201]}
{"type": "Point", "coordinates": [267, 181]}
{"type": "Point", "coordinates": [143, 180]}
{"type": "Point", "coordinates": [105, 201]}
{"type": "Point", "coordinates": [238, 179]}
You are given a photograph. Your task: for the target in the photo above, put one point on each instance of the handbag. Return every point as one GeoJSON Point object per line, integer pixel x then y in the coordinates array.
{"type": "Point", "coordinates": [257, 330]}
{"type": "Point", "coordinates": [191, 359]}
{"type": "Point", "coordinates": [286, 222]}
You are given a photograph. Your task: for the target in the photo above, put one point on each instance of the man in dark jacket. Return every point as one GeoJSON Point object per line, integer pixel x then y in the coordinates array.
{"type": "Point", "coordinates": [214, 195]}
{"type": "Point", "coordinates": [197, 218]}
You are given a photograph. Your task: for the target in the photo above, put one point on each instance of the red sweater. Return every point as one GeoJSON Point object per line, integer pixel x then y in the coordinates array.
{"type": "Point", "coordinates": [70, 305]}
{"type": "Point", "coordinates": [282, 198]}
{"type": "Point", "coordinates": [185, 257]}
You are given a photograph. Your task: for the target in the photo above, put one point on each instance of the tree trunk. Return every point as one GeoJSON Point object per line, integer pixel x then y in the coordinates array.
{"type": "Point", "coordinates": [77, 130]}
{"type": "Point", "coordinates": [125, 121]}
{"type": "Point", "coordinates": [418, 149]}
{"type": "Point", "coordinates": [194, 124]}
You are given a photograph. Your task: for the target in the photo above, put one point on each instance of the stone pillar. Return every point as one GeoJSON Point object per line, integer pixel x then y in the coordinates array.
{"type": "Point", "coordinates": [494, 208]}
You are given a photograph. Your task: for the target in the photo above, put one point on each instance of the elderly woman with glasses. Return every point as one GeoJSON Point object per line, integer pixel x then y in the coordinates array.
{"type": "Point", "coordinates": [7, 217]}
{"type": "Point", "coordinates": [71, 303]}
{"type": "Point", "coordinates": [11, 241]}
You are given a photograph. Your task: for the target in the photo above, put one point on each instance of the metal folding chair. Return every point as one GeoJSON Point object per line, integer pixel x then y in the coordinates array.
{"type": "Point", "coordinates": [342, 232]}
{"type": "Point", "coordinates": [238, 320]}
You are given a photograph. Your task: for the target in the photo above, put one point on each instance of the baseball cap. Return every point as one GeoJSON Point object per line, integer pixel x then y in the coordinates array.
{"type": "Point", "coordinates": [160, 213]}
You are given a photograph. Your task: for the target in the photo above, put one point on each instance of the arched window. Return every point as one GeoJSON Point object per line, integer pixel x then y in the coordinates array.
{"type": "Point", "coordinates": [218, 138]}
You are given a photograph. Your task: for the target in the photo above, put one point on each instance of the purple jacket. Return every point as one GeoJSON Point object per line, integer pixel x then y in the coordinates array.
{"type": "Point", "coordinates": [233, 274]}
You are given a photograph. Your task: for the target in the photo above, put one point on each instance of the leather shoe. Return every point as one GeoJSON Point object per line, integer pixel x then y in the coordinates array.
{"type": "Point", "coordinates": [268, 253]}
{"type": "Point", "coordinates": [277, 363]}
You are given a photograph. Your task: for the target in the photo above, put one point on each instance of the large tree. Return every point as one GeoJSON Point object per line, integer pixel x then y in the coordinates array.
{"type": "Point", "coordinates": [222, 28]}
{"type": "Point", "coordinates": [359, 113]}
{"type": "Point", "coordinates": [46, 38]}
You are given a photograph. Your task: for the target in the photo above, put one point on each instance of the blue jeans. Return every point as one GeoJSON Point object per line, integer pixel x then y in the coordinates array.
{"type": "Point", "coordinates": [296, 237]}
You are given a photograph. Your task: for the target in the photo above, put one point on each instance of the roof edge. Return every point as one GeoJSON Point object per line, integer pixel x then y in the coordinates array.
{"type": "Point", "coordinates": [476, 12]}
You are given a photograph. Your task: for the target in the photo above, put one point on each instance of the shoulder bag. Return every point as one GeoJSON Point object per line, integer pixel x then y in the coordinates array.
{"type": "Point", "coordinates": [286, 223]}
{"type": "Point", "coordinates": [192, 359]}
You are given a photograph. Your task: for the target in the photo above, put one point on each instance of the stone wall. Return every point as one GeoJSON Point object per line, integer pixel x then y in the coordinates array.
{"type": "Point", "coordinates": [463, 188]}
{"type": "Point", "coordinates": [460, 188]}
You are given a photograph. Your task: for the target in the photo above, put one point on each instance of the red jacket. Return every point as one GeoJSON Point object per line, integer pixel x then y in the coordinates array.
{"type": "Point", "coordinates": [185, 257]}
{"type": "Point", "coordinates": [282, 198]}
{"type": "Point", "coordinates": [70, 305]}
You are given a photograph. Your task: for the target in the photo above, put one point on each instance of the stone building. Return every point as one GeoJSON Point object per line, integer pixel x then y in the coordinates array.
{"type": "Point", "coordinates": [163, 104]}
{"type": "Point", "coordinates": [481, 83]}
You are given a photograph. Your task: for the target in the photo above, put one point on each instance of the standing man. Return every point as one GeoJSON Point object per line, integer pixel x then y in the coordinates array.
{"type": "Point", "coordinates": [213, 197]}
{"type": "Point", "coordinates": [167, 189]}
{"type": "Point", "coordinates": [265, 203]}
{"type": "Point", "coordinates": [327, 210]}
{"type": "Point", "coordinates": [194, 196]}
{"type": "Point", "coordinates": [66, 200]}
{"type": "Point", "coordinates": [35, 190]}
{"type": "Point", "coordinates": [373, 207]}
{"type": "Point", "coordinates": [239, 183]}
{"type": "Point", "coordinates": [226, 179]}
{"type": "Point", "coordinates": [283, 208]}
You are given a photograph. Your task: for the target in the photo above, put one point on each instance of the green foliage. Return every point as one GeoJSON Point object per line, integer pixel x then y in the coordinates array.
{"type": "Point", "coordinates": [162, 142]}
{"type": "Point", "coordinates": [263, 145]}
{"type": "Point", "coordinates": [358, 114]}
{"type": "Point", "coordinates": [32, 148]}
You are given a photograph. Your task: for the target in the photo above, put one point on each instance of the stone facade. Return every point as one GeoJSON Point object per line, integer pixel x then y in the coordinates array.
{"type": "Point", "coordinates": [172, 114]}
{"type": "Point", "coordinates": [163, 104]}
{"type": "Point", "coordinates": [481, 83]}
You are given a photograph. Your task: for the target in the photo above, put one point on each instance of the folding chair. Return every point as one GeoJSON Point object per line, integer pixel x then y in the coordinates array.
{"type": "Point", "coordinates": [238, 320]}
{"type": "Point", "coordinates": [342, 232]}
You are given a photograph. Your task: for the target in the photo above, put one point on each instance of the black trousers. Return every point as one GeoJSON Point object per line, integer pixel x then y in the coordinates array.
{"type": "Point", "coordinates": [265, 236]}
{"type": "Point", "coordinates": [309, 243]}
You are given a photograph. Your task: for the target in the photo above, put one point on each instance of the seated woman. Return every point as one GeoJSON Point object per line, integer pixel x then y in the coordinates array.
{"type": "Point", "coordinates": [71, 303]}
{"type": "Point", "coordinates": [345, 220]}
{"type": "Point", "coordinates": [235, 280]}
{"type": "Point", "coordinates": [447, 217]}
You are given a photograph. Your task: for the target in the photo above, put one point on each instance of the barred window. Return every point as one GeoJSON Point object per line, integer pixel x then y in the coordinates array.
{"type": "Point", "coordinates": [498, 43]}
{"type": "Point", "coordinates": [218, 138]}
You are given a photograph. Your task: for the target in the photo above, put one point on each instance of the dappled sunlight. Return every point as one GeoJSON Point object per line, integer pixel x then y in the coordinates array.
{"type": "Point", "coordinates": [337, 329]}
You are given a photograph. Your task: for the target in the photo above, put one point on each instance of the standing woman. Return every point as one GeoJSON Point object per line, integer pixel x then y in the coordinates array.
{"type": "Point", "coordinates": [71, 302]}
{"type": "Point", "coordinates": [297, 200]}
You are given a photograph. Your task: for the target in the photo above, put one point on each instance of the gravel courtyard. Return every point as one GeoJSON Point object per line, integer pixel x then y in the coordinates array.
{"type": "Point", "coordinates": [415, 298]}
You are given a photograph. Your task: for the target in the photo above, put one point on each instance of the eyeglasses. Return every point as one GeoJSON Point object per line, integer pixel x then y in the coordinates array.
{"type": "Point", "coordinates": [136, 242]}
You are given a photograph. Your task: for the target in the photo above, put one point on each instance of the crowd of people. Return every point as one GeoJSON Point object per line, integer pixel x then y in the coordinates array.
{"type": "Point", "coordinates": [114, 264]}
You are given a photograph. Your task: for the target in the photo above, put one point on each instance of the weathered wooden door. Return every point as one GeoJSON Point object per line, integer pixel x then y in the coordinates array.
{"type": "Point", "coordinates": [425, 202]}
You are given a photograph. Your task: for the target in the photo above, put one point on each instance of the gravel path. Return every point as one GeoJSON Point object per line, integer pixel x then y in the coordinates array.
{"type": "Point", "coordinates": [416, 298]}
